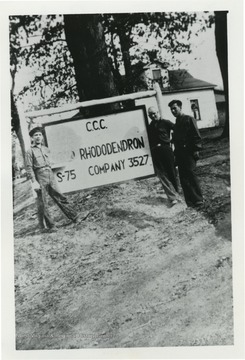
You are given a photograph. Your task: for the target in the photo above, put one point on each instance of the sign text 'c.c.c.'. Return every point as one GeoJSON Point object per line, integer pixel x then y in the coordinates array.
{"type": "Point", "coordinates": [95, 125]}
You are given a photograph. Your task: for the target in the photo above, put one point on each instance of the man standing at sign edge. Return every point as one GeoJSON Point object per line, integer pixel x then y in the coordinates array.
{"type": "Point", "coordinates": [162, 154]}
{"type": "Point", "coordinates": [39, 170]}
{"type": "Point", "coordinates": [187, 142]}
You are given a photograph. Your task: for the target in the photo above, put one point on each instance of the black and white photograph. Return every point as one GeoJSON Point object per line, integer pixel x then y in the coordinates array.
{"type": "Point", "coordinates": [120, 125]}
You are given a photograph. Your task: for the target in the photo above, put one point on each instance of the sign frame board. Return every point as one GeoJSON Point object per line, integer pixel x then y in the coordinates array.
{"type": "Point", "coordinates": [100, 150]}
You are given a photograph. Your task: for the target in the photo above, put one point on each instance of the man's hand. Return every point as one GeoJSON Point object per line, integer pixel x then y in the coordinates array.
{"type": "Point", "coordinates": [36, 186]}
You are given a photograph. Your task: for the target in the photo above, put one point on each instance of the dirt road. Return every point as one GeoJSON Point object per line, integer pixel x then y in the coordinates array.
{"type": "Point", "coordinates": [135, 272]}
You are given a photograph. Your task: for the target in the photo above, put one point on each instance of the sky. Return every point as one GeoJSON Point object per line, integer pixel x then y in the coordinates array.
{"type": "Point", "coordinates": [203, 62]}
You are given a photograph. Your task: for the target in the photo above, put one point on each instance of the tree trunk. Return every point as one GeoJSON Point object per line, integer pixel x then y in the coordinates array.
{"type": "Point", "coordinates": [124, 38]}
{"type": "Point", "coordinates": [125, 46]}
{"type": "Point", "coordinates": [115, 67]}
{"type": "Point", "coordinates": [17, 128]}
{"type": "Point", "coordinates": [222, 54]}
{"type": "Point", "coordinates": [86, 42]}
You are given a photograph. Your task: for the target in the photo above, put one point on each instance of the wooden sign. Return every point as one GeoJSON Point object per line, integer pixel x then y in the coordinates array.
{"type": "Point", "coordinates": [100, 150]}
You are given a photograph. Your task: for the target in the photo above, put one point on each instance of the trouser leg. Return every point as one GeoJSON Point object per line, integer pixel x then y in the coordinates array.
{"type": "Point", "coordinates": [165, 171]}
{"type": "Point", "coordinates": [185, 185]}
{"type": "Point", "coordinates": [195, 187]}
{"type": "Point", "coordinates": [167, 186]}
{"type": "Point", "coordinates": [188, 179]}
{"type": "Point", "coordinates": [166, 183]}
{"type": "Point", "coordinates": [168, 160]}
{"type": "Point", "coordinates": [62, 202]}
{"type": "Point", "coordinates": [44, 216]}
{"type": "Point", "coordinates": [177, 178]}
{"type": "Point", "coordinates": [40, 210]}
{"type": "Point", "coordinates": [49, 187]}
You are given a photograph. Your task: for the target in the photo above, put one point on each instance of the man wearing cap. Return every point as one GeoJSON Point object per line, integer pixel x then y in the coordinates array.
{"type": "Point", "coordinates": [187, 141]}
{"type": "Point", "coordinates": [163, 157]}
{"type": "Point", "coordinates": [39, 170]}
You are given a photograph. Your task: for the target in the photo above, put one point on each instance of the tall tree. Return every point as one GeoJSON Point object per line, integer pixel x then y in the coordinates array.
{"type": "Point", "coordinates": [17, 28]}
{"type": "Point", "coordinates": [222, 54]}
{"type": "Point", "coordinates": [37, 43]}
{"type": "Point", "coordinates": [15, 121]}
{"type": "Point", "coordinates": [86, 41]}
{"type": "Point", "coordinates": [170, 32]}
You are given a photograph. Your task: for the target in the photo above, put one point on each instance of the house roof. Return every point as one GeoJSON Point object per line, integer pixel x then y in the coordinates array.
{"type": "Point", "coordinates": [181, 80]}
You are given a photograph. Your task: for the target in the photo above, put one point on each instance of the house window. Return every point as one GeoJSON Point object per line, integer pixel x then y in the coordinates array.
{"type": "Point", "coordinates": [156, 73]}
{"type": "Point", "coordinates": [195, 109]}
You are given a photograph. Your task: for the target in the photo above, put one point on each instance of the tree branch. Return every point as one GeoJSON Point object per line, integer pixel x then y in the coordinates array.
{"type": "Point", "coordinates": [42, 43]}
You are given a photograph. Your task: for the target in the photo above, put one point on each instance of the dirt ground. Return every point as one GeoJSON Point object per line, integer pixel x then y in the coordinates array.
{"type": "Point", "coordinates": [134, 272]}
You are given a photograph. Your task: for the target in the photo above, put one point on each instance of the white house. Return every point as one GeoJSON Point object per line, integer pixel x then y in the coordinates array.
{"type": "Point", "coordinates": [197, 96]}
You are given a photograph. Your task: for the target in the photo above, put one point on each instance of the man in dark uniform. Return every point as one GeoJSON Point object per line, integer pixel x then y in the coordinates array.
{"type": "Point", "coordinates": [187, 142]}
{"type": "Point", "coordinates": [163, 157]}
{"type": "Point", "coordinates": [40, 172]}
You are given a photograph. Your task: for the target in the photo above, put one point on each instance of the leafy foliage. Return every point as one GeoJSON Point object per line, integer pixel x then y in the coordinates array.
{"type": "Point", "coordinates": [38, 43]}
{"type": "Point", "coordinates": [134, 38]}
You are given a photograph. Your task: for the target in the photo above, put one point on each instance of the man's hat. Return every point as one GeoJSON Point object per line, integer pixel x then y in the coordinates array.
{"type": "Point", "coordinates": [34, 128]}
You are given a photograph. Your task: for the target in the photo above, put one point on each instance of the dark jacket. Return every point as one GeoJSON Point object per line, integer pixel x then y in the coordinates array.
{"type": "Point", "coordinates": [159, 132]}
{"type": "Point", "coordinates": [186, 134]}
